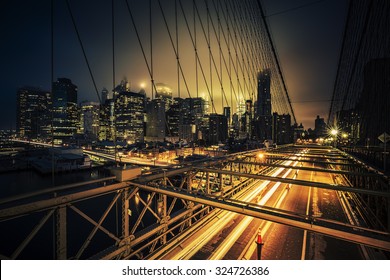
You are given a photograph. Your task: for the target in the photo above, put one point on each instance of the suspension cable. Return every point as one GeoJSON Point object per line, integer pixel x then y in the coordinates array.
{"type": "Point", "coordinates": [83, 49]}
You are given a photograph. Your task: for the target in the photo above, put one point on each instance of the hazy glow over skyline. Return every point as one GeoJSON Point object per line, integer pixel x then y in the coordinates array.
{"type": "Point", "coordinates": [307, 41]}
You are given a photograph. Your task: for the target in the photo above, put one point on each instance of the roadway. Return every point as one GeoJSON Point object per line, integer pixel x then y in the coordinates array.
{"type": "Point", "coordinates": [232, 236]}
{"type": "Point", "coordinates": [211, 237]}
{"type": "Point", "coordinates": [282, 242]}
{"type": "Point", "coordinates": [105, 156]}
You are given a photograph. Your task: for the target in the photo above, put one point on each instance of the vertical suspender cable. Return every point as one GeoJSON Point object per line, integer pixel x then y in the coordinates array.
{"type": "Point", "coordinates": [51, 85]}
{"type": "Point", "coordinates": [230, 65]}
{"type": "Point", "coordinates": [210, 68]}
{"type": "Point", "coordinates": [113, 84]}
{"type": "Point", "coordinates": [113, 73]}
{"type": "Point", "coordinates": [220, 52]}
{"type": "Point", "coordinates": [177, 48]}
{"type": "Point", "coordinates": [279, 69]}
{"type": "Point", "coordinates": [151, 46]}
{"type": "Point", "coordinates": [332, 103]}
{"type": "Point", "coordinates": [196, 51]}
{"type": "Point", "coordinates": [140, 43]}
{"type": "Point", "coordinates": [52, 130]}
{"type": "Point", "coordinates": [82, 49]}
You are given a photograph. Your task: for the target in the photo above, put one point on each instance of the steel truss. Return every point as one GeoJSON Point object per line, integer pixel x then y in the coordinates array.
{"type": "Point", "coordinates": [136, 219]}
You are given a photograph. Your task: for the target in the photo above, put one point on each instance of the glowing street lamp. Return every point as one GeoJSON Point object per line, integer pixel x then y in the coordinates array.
{"type": "Point", "coordinates": [334, 132]}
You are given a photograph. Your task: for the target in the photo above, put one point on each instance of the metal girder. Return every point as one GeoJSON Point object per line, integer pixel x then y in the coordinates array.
{"type": "Point", "coordinates": [302, 222]}
{"type": "Point", "coordinates": [150, 233]}
{"type": "Point", "coordinates": [93, 222]}
{"type": "Point", "coordinates": [311, 161]}
{"type": "Point", "coordinates": [167, 173]}
{"type": "Point", "coordinates": [27, 240]}
{"type": "Point", "coordinates": [52, 190]}
{"type": "Point", "coordinates": [97, 226]}
{"type": "Point", "coordinates": [299, 182]}
{"type": "Point", "coordinates": [186, 167]}
{"type": "Point", "coordinates": [30, 207]}
{"type": "Point", "coordinates": [309, 168]}
{"type": "Point", "coordinates": [61, 236]}
{"type": "Point", "coordinates": [142, 214]}
{"type": "Point", "coordinates": [307, 155]}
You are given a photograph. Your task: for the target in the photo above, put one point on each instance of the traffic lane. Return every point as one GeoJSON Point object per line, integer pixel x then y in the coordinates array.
{"type": "Point", "coordinates": [223, 233]}
{"type": "Point", "coordinates": [283, 242]}
{"type": "Point", "coordinates": [326, 204]}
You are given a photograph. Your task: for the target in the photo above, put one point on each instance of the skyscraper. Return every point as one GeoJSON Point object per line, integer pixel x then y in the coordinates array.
{"type": "Point", "coordinates": [218, 129]}
{"type": "Point", "coordinates": [89, 119]}
{"type": "Point", "coordinates": [319, 127]}
{"type": "Point", "coordinates": [129, 114]}
{"type": "Point", "coordinates": [155, 120]}
{"type": "Point", "coordinates": [264, 93]}
{"type": "Point", "coordinates": [174, 117]}
{"type": "Point", "coordinates": [263, 108]}
{"type": "Point", "coordinates": [246, 121]}
{"type": "Point", "coordinates": [33, 118]}
{"type": "Point", "coordinates": [164, 92]}
{"type": "Point", "coordinates": [194, 111]}
{"type": "Point", "coordinates": [105, 95]}
{"type": "Point", "coordinates": [106, 120]}
{"type": "Point", "coordinates": [282, 130]}
{"type": "Point", "coordinates": [227, 114]}
{"type": "Point", "coordinates": [65, 113]}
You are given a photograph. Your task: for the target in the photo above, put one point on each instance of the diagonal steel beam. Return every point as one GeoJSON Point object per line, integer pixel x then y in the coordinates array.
{"type": "Point", "coordinates": [309, 168]}
{"type": "Point", "coordinates": [244, 208]}
{"type": "Point", "coordinates": [27, 208]}
{"type": "Point", "coordinates": [89, 219]}
{"type": "Point", "coordinates": [52, 190]}
{"type": "Point", "coordinates": [300, 182]}
{"type": "Point", "coordinates": [316, 161]}
{"type": "Point", "coordinates": [94, 230]}
{"type": "Point", "coordinates": [27, 240]}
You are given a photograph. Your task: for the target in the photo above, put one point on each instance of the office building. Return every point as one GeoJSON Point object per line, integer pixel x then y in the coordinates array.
{"type": "Point", "coordinates": [218, 129]}
{"type": "Point", "coordinates": [262, 125]}
{"type": "Point", "coordinates": [65, 111]}
{"type": "Point", "coordinates": [164, 92]}
{"type": "Point", "coordinates": [264, 107]}
{"type": "Point", "coordinates": [129, 116]}
{"type": "Point", "coordinates": [89, 119]}
{"type": "Point", "coordinates": [320, 127]}
{"type": "Point", "coordinates": [155, 120]}
{"type": "Point", "coordinates": [33, 113]}
{"type": "Point", "coordinates": [282, 129]}
{"type": "Point", "coordinates": [174, 117]}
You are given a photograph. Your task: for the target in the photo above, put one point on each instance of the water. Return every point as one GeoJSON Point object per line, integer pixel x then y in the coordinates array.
{"type": "Point", "coordinates": [42, 244]}
{"type": "Point", "coordinates": [21, 182]}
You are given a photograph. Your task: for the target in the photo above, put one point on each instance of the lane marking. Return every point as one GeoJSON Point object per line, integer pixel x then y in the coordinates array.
{"type": "Point", "coordinates": [303, 254]}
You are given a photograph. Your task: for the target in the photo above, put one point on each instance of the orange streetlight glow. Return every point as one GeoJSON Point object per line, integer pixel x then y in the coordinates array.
{"type": "Point", "coordinates": [261, 156]}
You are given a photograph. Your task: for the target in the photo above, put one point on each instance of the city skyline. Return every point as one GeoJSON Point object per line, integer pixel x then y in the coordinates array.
{"type": "Point", "coordinates": [174, 130]}
{"type": "Point", "coordinates": [69, 61]}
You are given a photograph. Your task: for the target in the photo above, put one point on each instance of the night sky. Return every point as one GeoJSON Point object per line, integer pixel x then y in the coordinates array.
{"type": "Point", "coordinates": [307, 38]}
